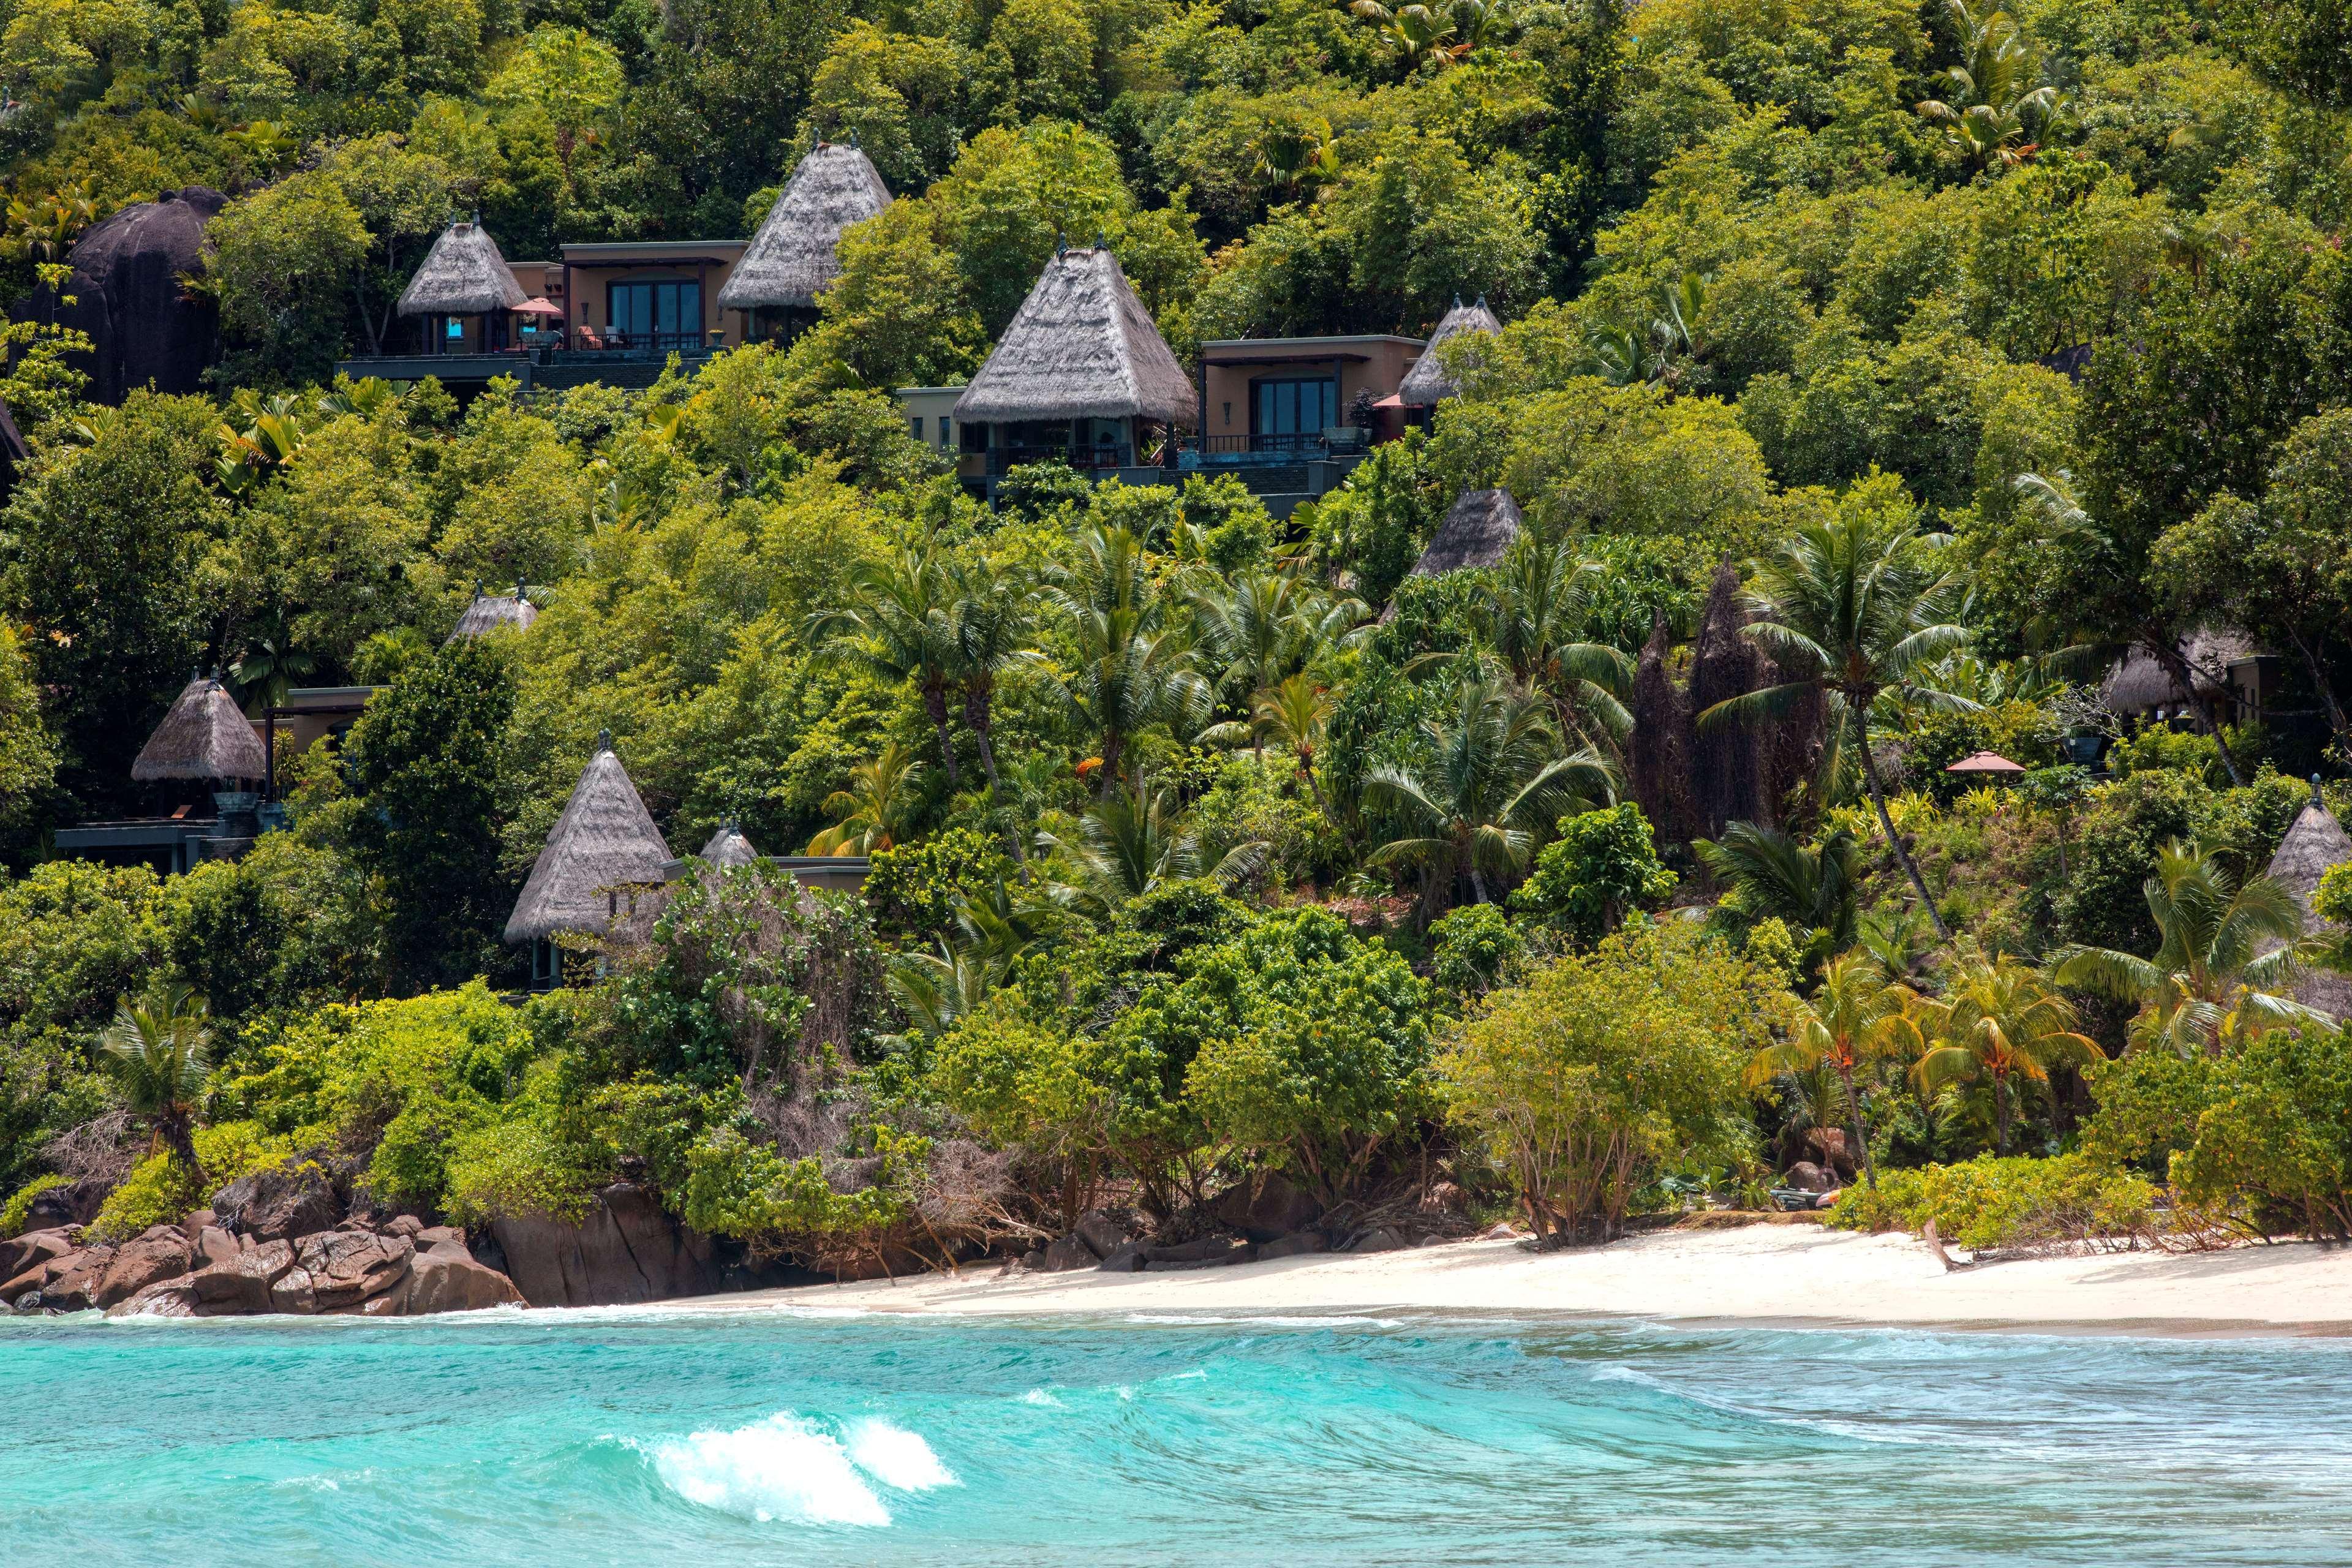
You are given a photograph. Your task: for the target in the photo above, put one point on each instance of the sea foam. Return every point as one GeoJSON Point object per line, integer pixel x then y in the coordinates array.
{"type": "Point", "coordinates": [790, 1468]}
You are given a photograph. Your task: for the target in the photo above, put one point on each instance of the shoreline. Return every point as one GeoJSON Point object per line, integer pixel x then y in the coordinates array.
{"type": "Point", "coordinates": [1752, 1276]}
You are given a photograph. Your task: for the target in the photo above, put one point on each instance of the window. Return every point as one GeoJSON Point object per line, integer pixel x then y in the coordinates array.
{"type": "Point", "coordinates": [454, 329]}
{"type": "Point", "coordinates": [658, 315]}
{"type": "Point", "coordinates": [915, 426]}
{"type": "Point", "coordinates": [1293, 407]}
{"type": "Point", "coordinates": [943, 433]}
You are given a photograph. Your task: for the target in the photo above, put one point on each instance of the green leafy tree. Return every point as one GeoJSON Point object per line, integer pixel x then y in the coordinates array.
{"type": "Point", "coordinates": [425, 765]}
{"type": "Point", "coordinates": [103, 558]}
{"type": "Point", "coordinates": [1602, 867]}
{"type": "Point", "coordinates": [1854, 1020]}
{"type": "Point", "coordinates": [2001, 1024]}
{"type": "Point", "coordinates": [1611, 1069]}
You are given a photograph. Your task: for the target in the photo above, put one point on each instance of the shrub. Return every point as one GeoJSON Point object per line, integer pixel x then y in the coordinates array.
{"type": "Point", "coordinates": [1610, 1069]}
{"type": "Point", "coordinates": [19, 1206]}
{"type": "Point", "coordinates": [2018, 1202]}
{"type": "Point", "coordinates": [1603, 866]}
{"type": "Point", "coordinates": [159, 1190]}
{"type": "Point", "coordinates": [913, 888]}
{"type": "Point", "coordinates": [1471, 949]}
{"type": "Point", "coordinates": [1031, 1089]}
{"type": "Point", "coordinates": [1321, 1062]}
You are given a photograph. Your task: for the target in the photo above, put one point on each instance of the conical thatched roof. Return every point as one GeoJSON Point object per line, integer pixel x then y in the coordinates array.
{"type": "Point", "coordinates": [1426, 382]}
{"type": "Point", "coordinates": [489, 612]}
{"type": "Point", "coordinates": [1082, 346]}
{"type": "Point", "coordinates": [793, 258]}
{"type": "Point", "coordinates": [463, 275]}
{"type": "Point", "coordinates": [605, 839]}
{"type": "Point", "coordinates": [2313, 844]}
{"type": "Point", "coordinates": [1477, 529]}
{"type": "Point", "coordinates": [203, 737]}
{"type": "Point", "coordinates": [728, 846]}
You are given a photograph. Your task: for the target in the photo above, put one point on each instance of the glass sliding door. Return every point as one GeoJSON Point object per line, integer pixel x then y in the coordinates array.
{"type": "Point", "coordinates": [656, 315]}
{"type": "Point", "coordinates": [1292, 410]}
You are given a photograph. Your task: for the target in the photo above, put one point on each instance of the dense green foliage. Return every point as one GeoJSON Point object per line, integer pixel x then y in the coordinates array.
{"type": "Point", "coordinates": [1864, 406]}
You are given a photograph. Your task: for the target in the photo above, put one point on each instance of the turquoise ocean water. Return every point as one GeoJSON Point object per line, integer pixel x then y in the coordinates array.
{"type": "Point", "coordinates": [640, 1438]}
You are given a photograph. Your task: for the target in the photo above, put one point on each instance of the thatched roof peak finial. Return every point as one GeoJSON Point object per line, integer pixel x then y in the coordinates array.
{"type": "Point", "coordinates": [2315, 797]}
{"type": "Point", "coordinates": [604, 741]}
{"type": "Point", "coordinates": [795, 256]}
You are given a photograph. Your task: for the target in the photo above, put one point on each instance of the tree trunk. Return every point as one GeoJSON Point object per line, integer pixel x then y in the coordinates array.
{"type": "Point", "coordinates": [935, 705]}
{"type": "Point", "coordinates": [977, 695]}
{"type": "Point", "coordinates": [2000, 1115]}
{"type": "Point", "coordinates": [1854, 1124]}
{"type": "Point", "coordinates": [1887, 823]}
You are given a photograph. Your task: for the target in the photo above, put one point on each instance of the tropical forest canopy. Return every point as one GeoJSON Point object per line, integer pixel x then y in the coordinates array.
{"type": "Point", "coordinates": [1873, 376]}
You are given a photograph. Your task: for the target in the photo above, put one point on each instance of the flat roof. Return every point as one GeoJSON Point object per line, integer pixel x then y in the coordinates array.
{"type": "Point", "coordinates": [911, 391]}
{"type": "Point", "coordinates": [1310, 345]}
{"type": "Point", "coordinates": [617, 248]}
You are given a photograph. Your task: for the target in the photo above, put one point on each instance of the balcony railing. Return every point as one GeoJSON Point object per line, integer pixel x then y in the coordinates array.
{"type": "Point", "coordinates": [1085, 459]}
{"type": "Point", "coordinates": [1299, 447]}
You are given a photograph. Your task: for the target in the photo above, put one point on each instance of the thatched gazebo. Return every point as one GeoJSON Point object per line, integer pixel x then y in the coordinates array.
{"type": "Point", "coordinates": [490, 612]}
{"type": "Point", "coordinates": [204, 738]}
{"type": "Point", "coordinates": [1081, 375]}
{"type": "Point", "coordinates": [1426, 384]}
{"type": "Point", "coordinates": [463, 275]}
{"type": "Point", "coordinates": [603, 847]}
{"type": "Point", "coordinates": [794, 258]}
{"type": "Point", "coordinates": [2315, 842]}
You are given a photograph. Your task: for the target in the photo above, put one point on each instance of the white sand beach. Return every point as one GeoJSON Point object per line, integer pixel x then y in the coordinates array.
{"type": "Point", "coordinates": [1764, 1273]}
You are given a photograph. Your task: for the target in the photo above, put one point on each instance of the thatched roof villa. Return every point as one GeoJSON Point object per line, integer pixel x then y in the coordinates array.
{"type": "Point", "coordinates": [1426, 384]}
{"type": "Point", "coordinates": [2224, 663]}
{"type": "Point", "coordinates": [490, 612]}
{"type": "Point", "coordinates": [603, 847]}
{"type": "Point", "coordinates": [462, 292]}
{"type": "Point", "coordinates": [2315, 842]}
{"type": "Point", "coordinates": [1081, 376]}
{"type": "Point", "coordinates": [794, 258]}
{"type": "Point", "coordinates": [204, 738]}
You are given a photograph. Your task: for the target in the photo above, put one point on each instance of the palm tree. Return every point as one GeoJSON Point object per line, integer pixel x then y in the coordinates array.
{"type": "Point", "coordinates": [2001, 1023]}
{"type": "Point", "coordinates": [1771, 874]}
{"type": "Point", "coordinates": [1129, 668]}
{"type": "Point", "coordinates": [900, 631]}
{"type": "Point", "coordinates": [1134, 840]}
{"type": "Point", "coordinates": [1854, 1018]}
{"type": "Point", "coordinates": [868, 815]}
{"type": "Point", "coordinates": [1850, 608]}
{"type": "Point", "coordinates": [1531, 612]}
{"type": "Point", "coordinates": [989, 616]}
{"type": "Point", "coordinates": [2210, 976]}
{"type": "Point", "coordinates": [1498, 777]}
{"type": "Point", "coordinates": [1296, 713]}
{"type": "Point", "coordinates": [158, 1049]}
{"type": "Point", "coordinates": [1414, 33]}
{"type": "Point", "coordinates": [1992, 106]}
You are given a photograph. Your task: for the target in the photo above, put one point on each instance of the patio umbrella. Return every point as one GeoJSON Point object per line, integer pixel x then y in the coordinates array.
{"type": "Point", "coordinates": [536, 307]}
{"type": "Point", "coordinates": [1985, 763]}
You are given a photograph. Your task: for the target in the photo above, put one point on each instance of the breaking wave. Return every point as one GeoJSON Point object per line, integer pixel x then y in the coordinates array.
{"type": "Point", "coordinates": [797, 1470]}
